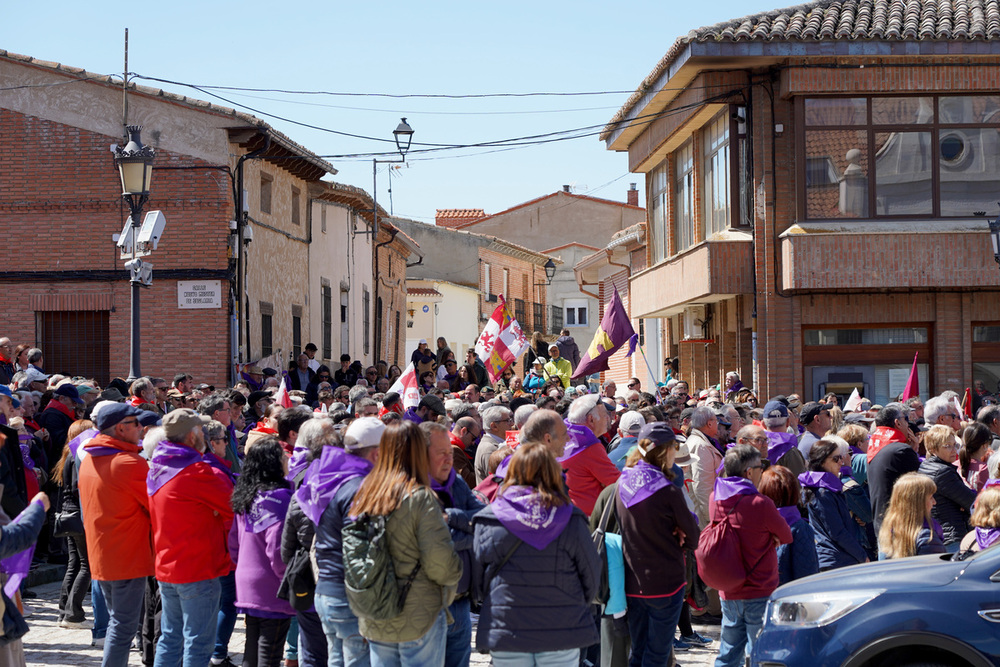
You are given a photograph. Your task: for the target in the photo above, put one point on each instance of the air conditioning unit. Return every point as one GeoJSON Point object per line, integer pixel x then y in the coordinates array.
{"type": "Point", "coordinates": [694, 317]}
{"type": "Point", "coordinates": [491, 298]}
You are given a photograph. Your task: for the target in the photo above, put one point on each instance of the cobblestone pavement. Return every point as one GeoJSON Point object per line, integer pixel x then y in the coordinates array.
{"type": "Point", "coordinates": [46, 644]}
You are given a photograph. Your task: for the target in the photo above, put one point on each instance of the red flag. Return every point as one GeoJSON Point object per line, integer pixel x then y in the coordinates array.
{"type": "Point", "coordinates": [912, 388]}
{"type": "Point", "coordinates": [282, 398]}
{"type": "Point", "coordinates": [967, 403]}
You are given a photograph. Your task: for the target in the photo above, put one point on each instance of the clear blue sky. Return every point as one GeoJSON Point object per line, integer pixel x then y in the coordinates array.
{"type": "Point", "coordinates": [402, 48]}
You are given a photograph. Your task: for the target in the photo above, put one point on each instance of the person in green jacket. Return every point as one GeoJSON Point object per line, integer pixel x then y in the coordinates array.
{"type": "Point", "coordinates": [399, 488]}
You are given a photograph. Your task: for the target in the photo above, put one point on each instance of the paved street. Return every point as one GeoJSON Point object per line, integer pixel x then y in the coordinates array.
{"type": "Point", "coordinates": [47, 644]}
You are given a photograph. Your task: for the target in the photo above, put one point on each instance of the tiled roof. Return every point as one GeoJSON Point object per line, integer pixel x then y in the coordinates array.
{"type": "Point", "coordinates": [422, 291]}
{"type": "Point", "coordinates": [824, 20]}
{"type": "Point", "coordinates": [459, 213]}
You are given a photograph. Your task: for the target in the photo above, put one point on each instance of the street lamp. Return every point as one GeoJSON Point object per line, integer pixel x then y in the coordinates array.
{"type": "Point", "coordinates": [135, 166]}
{"type": "Point", "coordinates": [403, 134]}
{"type": "Point", "coordinates": [550, 272]}
{"type": "Point", "coordinates": [995, 237]}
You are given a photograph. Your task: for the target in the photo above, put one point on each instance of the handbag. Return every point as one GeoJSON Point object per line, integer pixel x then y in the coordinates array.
{"type": "Point", "coordinates": [67, 524]}
{"type": "Point", "coordinates": [298, 586]}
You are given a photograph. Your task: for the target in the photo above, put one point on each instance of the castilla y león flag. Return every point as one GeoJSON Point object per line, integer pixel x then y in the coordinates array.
{"type": "Point", "coordinates": [615, 330]}
{"type": "Point", "coordinates": [501, 342]}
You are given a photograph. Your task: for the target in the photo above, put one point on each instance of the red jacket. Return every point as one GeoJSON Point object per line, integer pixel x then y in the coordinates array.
{"type": "Point", "coordinates": [191, 516]}
{"type": "Point", "coordinates": [587, 474]}
{"type": "Point", "coordinates": [757, 523]}
{"type": "Point", "coordinates": [115, 510]}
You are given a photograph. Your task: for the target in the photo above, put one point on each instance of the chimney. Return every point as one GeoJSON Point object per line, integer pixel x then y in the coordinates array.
{"type": "Point", "coordinates": [565, 188]}
{"type": "Point", "coordinates": [633, 195]}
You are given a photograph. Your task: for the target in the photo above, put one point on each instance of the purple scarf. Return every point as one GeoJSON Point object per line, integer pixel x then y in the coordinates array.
{"type": "Point", "coordinates": [779, 444]}
{"type": "Point", "coordinates": [18, 565]}
{"type": "Point", "coordinates": [438, 487]}
{"type": "Point", "coordinates": [640, 482]}
{"type": "Point", "coordinates": [214, 461]}
{"type": "Point", "coordinates": [269, 507]}
{"type": "Point", "coordinates": [75, 443]}
{"type": "Point", "coordinates": [501, 470]}
{"type": "Point", "coordinates": [846, 471]}
{"type": "Point", "coordinates": [821, 480]}
{"type": "Point", "coordinates": [102, 450]}
{"type": "Point", "coordinates": [411, 415]}
{"type": "Point", "coordinates": [169, 458]}
{"type": "Point", "coordinates": [790, 514]}
{"type": "Point", "coordinates": [254, 386]}
{"type": "Point", "coordinates": [24, 440]}
{"type": "Point", "coordinates": [854, 450]}
{"type": "Point", "coordinates": [325, 476]}
{"type": "Point", "coordinates": [986, 537]}
{"type": "Point", "coordinates": [579, 438]}
{"type": "Point", "coordinates": [520, 511]}
{"type": "Point", "coordinates": [727, 487]}
{"type": "Point", "coordinates": [299, 462]}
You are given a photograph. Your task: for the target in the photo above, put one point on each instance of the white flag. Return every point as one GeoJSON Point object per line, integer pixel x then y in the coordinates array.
{"type": "Point", "coordinates": [853, 402]}
{"type": "Point", "coordinates": [406, 387]}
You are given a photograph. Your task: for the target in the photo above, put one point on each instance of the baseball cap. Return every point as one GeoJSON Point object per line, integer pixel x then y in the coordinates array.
{"type": "Point", "coordinates": [363, 432]}
{"type": "Point", "coordinates": [109, 413]}
{"type": "Point", "coordinates": [111, 394]}
{"type": "Point", "coordinates": [631, 422]}
{"type": "Point", "coordinates": [435, 404]}
{"type": "Point", "coordinates": [34, 375]}
{"type": "Point", "coordinates": [553, 346]}
{"type": "Point", "coordinates": [69, 391]}
{"type": "Point", "coordinates": [659, 433]}
{"type": "Point", "coordinates": [775, 410]}
{"type": "Point", "coordinates": [722, 418]}
{"type": "Point", "coordinates": [811, 410]}
{"type": "Point", "coordinates": [148, 418]}
{"type": "Point", "coordinates": [256, 396]}
{"type": "Point", "coordinates": [5, 391]}
{"type": "Point", "coordinates": [422, 341]}
{"type": "Point", "coordinates": [178, 423]}
{"type": "Point", "coordinates": [538, 360]}
{"type": "Point", "coordinates": [858, 418]}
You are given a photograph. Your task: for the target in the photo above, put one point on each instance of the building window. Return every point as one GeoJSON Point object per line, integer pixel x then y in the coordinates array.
{"type": "Point", "coordinates": [327, 296]}
{"type": "Point", "coordinates": [296, 331]}
{"type": "Point", "coordinates": [296, 205]}
{"type": "Point", "coordinates": [683, 198]}
{"type": "Point", "coordinates": [505, 292]}
{"type": "Point", "coordinates": [520, 313]}
{"type": "Point", "coordinates": [717, 172]}
{"type": "Point", "coordinates": [487, 287]}
{"type": "Point", "coordinates": [537, 315]}
{"type": "Point", "coordinates": [366, 319]}
{"type": "Point", "coordinates": [575, 312]}
{"type": "Point", "coordinates": [322, 219]}
{"type": "Point", "coordinates": [556, 319]}
{"type": "Point", "coordinates": [76, 339]}
{"type": "Point", "coordinates": [888, 336]}
{"type": "Point", "coordinates": [265, 192]}
{"type": "Point", "coordinates": [266, 319]}
{"type": "Point", "coordinates": [934, 156]}
{"type": "Point", "coordinates": [642, 332]}
{"type": "Point", "coordinates": [658, 194]}
{"type": "Point", "coordinates": [395, 343]}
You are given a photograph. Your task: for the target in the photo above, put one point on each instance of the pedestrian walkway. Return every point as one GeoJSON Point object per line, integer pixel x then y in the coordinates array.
{"type": "Point", "coordinates": [46, 644]}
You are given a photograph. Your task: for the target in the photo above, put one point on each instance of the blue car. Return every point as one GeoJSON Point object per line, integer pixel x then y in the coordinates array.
{"type": "Point", "coordinates": [925, 611]}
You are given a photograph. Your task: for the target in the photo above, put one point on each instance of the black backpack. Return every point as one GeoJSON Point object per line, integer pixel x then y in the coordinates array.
{"type": "Point", "coordinates": [298, 586]}
{"type": "Point", "coordinates": [369, 573]}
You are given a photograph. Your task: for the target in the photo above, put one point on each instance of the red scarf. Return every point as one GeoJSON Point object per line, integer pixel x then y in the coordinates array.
{"type": "Point", "coordinates": [136, 401]}
{"type": "Point", "coordinates": [5, 359]}
{"type": "Point", "coordinates": [882, 436]}
{"type": "Point", "coordinates": [69, 412]}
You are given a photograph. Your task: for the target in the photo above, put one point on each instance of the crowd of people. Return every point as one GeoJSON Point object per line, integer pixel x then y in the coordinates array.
{"type": "Point", "coordinates": [575, 526]}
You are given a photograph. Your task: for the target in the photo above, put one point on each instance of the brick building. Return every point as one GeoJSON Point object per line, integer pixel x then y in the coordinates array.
{"type": "Point", "coordinates": [242, 227]}
{"type": "Point", "coordinates": [485, 263]}
{"type": "Point", "coordinates": [827, 167]}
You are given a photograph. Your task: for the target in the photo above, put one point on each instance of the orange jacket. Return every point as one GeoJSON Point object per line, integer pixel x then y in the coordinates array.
{"type": "Point", "coordinates": [115, 510]}
{"type": "Point", "coordinates": [191, 519]}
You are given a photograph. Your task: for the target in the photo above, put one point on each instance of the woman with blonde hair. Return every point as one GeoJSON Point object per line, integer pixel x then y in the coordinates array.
{"type": "Point", "coordinates": [908, 528]}
{"type": "Point", "coordinates": [398, 488]}
{"type": "Point", "coordinates": [953, 498]}
{"type": "Point", "coordinates": [536, 568]}
{"type": "Point", "coordinates": [985, 521]}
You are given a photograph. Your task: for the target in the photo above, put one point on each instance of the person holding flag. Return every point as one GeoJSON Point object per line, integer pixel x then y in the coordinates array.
{"type": "Point", "coordinates": [501, 343]}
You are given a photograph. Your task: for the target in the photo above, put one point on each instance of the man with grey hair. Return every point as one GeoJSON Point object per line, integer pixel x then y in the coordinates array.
{"type": "Point", "coordinates": [496, 421]}
{"type": "Point", "coordinates": [365, 407]}
{"type": "Point", "coordinates": [356, 393]}
{"type": "Point", "coordinates": [545, 427]}
{"type": "Point", "coordinates": [588, 468]}
{"type": "Point", "coordinates": [989, 416]}
{"type": "Point", "coordinates": [941, 410]}
{"type": "Point", "coordinates": [217, 406]}
{"type": "Point", "coordinates": [466, 410]}
{"type": "Point", "coordinates": [141, 392]}
{"type": "Point", "coordinates": [783, 447]}
{"type": "Point", "coordinates": [706, 456]}
{"type": "Point", "coordinates": [521, 415]}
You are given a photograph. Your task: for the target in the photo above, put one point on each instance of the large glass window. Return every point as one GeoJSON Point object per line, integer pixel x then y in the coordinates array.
{"type": "Point", "coordinates": [684, 197]}
{"type": "Point", "coordinates": [658, 211]}
{"type": "Point", "coordinates": [901, 156]}
{"type": "Point", "coordinates": [717, 171]}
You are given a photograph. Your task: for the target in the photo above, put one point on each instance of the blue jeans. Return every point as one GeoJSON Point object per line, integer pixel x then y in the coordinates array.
{"type": "Point", "coordinates": [458, 647]}
{"type": "Point", "coordinates": [227, 615]}
{"type": "Point", "coordinates": [741, 623]}
{"type": "Point", "coordinates": [188, 624]}
{"type": "Point", "coordinates": [292, 641]}
{"type": "Point", "coordinates": [124, 601]}
{"type": "Point", "coordinates": [100, 608]}
{"type": "Point", "coordinates": [566, 658]}
{"type": "Point", "coordinates": [344, 644]}
{"type": "Point", "coordinates": [651, 625]}
{"type": "Point", "coordinates": [427, 651]}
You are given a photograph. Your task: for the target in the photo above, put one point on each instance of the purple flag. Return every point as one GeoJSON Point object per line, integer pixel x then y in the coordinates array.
{"type": "Point", "coordinates": [615, 330]}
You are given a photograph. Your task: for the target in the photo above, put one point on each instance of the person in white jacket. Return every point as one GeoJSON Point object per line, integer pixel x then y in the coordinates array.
{"type": "Point", "coordinates": [706, 457]}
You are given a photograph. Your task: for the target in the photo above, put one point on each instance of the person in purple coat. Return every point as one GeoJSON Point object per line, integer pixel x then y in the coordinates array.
{"type": "Point", "coordinates": [260, 501]}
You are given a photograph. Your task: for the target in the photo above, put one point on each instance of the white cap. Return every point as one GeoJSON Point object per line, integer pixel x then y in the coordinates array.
{"type": "Point", "coordinates": [363, 432]}
{"type": "Point", "coordinates": [35, 375]}
{"type": "Point", "coordinates": [631, 422]}
{"type": "Point", "coordinates": [422, 341]}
